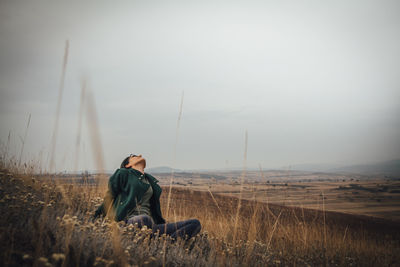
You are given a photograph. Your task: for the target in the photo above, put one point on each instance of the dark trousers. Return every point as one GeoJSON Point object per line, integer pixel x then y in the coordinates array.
{"type": "Point", "coordinates": [184, 229]}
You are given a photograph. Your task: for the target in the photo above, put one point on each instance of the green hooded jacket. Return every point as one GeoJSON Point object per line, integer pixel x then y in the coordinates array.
{"type": "Point", "coordinates": [125, 189]}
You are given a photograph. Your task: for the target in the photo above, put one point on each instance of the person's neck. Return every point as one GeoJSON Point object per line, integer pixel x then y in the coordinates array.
{"type": "Point", "coordinates": [139, 168]}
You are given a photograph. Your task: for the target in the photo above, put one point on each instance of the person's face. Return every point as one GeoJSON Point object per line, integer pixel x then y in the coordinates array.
{"type": "Point", "coordinates": [136, 160]}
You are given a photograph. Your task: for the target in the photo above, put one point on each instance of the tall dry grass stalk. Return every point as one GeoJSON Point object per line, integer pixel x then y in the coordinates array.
{"type": "Point", "coordinates": [117, 244]}
{"type": "Point", "coordinates": [241, 190]}
{"type": "Point", "coordinates": [273, 230]}
{"type": "Point", "coordinates": [174, 155]}
{"type": "Point", "coordinates": [23, 140]}
{"type": "Point", "coordinates": [252, 231]}
{"type": "Point", "coordinates": [59, 100]}
{"type": "Point", "coordinates": [172, 168]}
{"type": "Point", "coordinates": [324, 218]}
{"type": "Point", "coordinates": [94, 131]}
{"type": "Point", "coordinates": [216, 203]}
{"type": "Point", "coordinates": [79, 129]}
{"type": "Point", "coordinates": [6, 155]}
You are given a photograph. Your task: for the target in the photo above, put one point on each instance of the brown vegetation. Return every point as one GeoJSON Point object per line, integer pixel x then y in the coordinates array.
{"type": "Point", "coordinates": [49, 224]}
{"type": "Point", "coordinates": [373, 195]}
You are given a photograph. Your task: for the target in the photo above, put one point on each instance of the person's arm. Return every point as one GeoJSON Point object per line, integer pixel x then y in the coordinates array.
{"type": "Point", "coordinates": [157, 216]}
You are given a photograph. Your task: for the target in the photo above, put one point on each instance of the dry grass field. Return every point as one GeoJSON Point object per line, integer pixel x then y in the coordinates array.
{"type": "Point", "coordinates": [48, 223]}
{"type": "Point", "coordinates": [348, 193]}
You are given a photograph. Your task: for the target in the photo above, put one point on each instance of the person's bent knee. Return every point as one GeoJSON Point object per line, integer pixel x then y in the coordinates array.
{"type": "Point", "coordinates": [141, 220]}
{"type": "Point", "coordinates": [197, 224]}
{"type": "Point", "coordinates": [146, 219]}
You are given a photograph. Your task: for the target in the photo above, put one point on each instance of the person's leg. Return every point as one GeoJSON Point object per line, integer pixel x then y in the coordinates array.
{"type": "Point", "coordinates": [190, 228]}
{"type": "Point", "coordinates": [187, 227]}
{"type": "Point", "coordinates": [141, 220]}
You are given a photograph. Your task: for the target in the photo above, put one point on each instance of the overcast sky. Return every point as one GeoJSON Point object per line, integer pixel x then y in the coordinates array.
{"type": "Point", "coordinates": [310, 81]}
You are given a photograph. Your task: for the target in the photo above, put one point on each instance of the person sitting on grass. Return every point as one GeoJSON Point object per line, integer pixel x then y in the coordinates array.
{"type": "Point", "coordinates": [133, 196]}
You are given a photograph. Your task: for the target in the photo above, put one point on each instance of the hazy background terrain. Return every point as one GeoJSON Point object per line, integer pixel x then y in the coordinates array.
{"type": "Point", "coordinates": [311, 81]}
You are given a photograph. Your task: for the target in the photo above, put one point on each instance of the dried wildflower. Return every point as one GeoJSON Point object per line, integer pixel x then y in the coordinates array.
{"type": "Point", "coordinates": [58, 257]}
{"type": "Point", "coordinates": [43, 260]}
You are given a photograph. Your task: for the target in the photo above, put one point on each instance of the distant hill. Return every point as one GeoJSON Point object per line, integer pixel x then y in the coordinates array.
{"type": "Point", "coordinates": [311, 167]}
{"type": "Point", "coordinates": [162, 169]}
{"type": "Point", "coordinates": [389, 168]}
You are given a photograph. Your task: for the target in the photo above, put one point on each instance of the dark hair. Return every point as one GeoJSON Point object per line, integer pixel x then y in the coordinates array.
{"type": "Point", "coordinates": [125, 162]}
